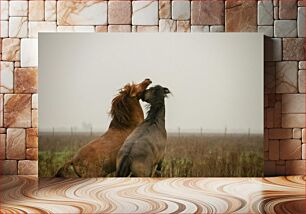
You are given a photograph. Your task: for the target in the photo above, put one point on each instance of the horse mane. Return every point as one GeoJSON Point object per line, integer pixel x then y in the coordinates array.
{"type": "Point", "coordinates": [120, 111]}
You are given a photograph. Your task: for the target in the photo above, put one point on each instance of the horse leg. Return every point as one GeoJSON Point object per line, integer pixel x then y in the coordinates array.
{"type": "Point", "coordinates": [141, 168]}
{"type": "Point", "coordinates": [158, 169]}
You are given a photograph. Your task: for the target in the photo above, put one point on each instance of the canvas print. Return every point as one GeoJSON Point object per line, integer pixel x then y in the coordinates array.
{"type": "Point", "coordinates": [150, 105]}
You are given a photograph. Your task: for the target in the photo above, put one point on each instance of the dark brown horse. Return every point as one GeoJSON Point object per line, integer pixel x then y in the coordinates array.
{"type": "Point", "coordinates": [143, 151]}
{"type": "Point", "coordinates": [98, 157]}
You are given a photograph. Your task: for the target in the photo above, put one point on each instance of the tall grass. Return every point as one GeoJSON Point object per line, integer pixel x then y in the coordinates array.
{"type": "Point", "coordinates": [187, 155]}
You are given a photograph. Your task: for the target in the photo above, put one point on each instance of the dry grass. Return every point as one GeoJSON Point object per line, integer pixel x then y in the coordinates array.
{"type": "Point", "coordinates": [186, 156]}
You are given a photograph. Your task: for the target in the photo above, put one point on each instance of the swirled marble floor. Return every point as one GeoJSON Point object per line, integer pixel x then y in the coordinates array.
{"type": "Point", "coordinates": [154, 195]}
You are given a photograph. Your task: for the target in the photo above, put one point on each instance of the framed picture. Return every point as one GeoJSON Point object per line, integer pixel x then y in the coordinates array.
{"type": "Point", "coordinates": [161, 105]}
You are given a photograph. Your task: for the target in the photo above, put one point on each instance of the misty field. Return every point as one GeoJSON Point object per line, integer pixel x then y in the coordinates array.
{"type": "Point", "coordinates": [187, 155]}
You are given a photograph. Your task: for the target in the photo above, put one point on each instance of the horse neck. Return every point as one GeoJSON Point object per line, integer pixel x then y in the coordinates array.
{"type": "Point", "coordinates": [136, 117]}
{"type": "Point", "coordinates": [157, 113]}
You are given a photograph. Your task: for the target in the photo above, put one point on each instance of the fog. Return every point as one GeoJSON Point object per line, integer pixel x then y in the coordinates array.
{"type": "Point", "coordinates": [216, 79]}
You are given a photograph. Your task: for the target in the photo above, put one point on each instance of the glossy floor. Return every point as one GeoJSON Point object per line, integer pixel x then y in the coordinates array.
{"type": "Point", "coordinates": [140, 195]}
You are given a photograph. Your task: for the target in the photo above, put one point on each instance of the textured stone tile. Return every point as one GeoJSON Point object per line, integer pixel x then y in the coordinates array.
{"type": "Point", "coordinates": [269, 117]}
{"type": "Point", "coordinates": [199, 28]}
{"type": "Point", "coordinates": [17, 110]}
{"type": "Point", "coordinates": [29, 53]}
{"type": "Point", "coordinates": [11, 49]}
{"type": "Point", "coordinates": [32, 154]}
{"type": "Point", "coordinates": [275, 3]}
{"type": "Point", "coordinates": [207, 12]}
{"type": "Point", "coordinates": [240, 16]}
{"type": "Point", "coordinates": [293, 120]}
{"type": "Point", "coordinates": [76, 28]}
{"type": "Point", "coordinates": [273, 150]}
{"type": "Point", "coordinates": [119, 12]}
{"type": "Point", "coordinates": [269, 77]}
{"type": "Point", "coordinates": [119, 28]}
{"type": "Point", "coordinates": [301, 81]}
{"type": "Point", "coordinates": [1, 111]}
{"type": "Point", "coordinates": [34, 118]}
{"type": "Point", "coordinates": [167, 25]}
{"type": "Point", "coordinates": [8, 167]}
{"type": "Point", "coordinates": [164, 9]}
{"type": "Point", "coordinates": [290, 149]}
{"type": "Point", "coordinates": [265, 12]}
{"type": "Point", "coordinates": [2, 146]}
{"type": "Point", "coordinates": [145, 13]}
{"type": "Point", "coordinates": [4, 29]}
{"type": "Point", "coordinates": [32, 138]}
{"type": "Point", "coordinates": [301, 22]}
{"type": "Point", "coordinates": [34, 101]}
{"type": "Point", "coordinates": [278, 114]}
{"type": "Point", "coordinates": [101, 28]}
{"type": "Point", "coordinates": [15, 144]}
{"type": "Point", "coordinates": [134, 29]}
{"type": "Point", "coordinates": [4, 9]}
{"type": "Point", "coordinates": [302, 65]}
{"type": "Point", "coordinates": [28, 167]}
{"type": "Point", "coordinates": [2, 130]}
{"type": "Point", "coordinates": [273, 49]}
{"type": "Point", "coordinates": [275, 13]}
{"type": "Point", "coordinates": [286, 77]}
{"type": "Point", "coordinates": [280, 134]}
{"type": "Point", "coordinates": [35, 27]}
{"type": "Point", "coordinates": [266, 30]}
{"type": "Point", "coordinates": [216, 28]}
{"type": "Point", "coordinates": [82, 12]}
{"type": "Point", "coordinates": [293, 49]}
{"type": "Point", "coordinates": [303, 151]}
{"type": "Point", "coordinates": [293, 103]}
{"type": "Point", "coordinates": [147, 28]}
{"type": "Point", "coordinates": [287, 9]}
{"type": "Point", "coordinates": [269, 168]}
{"type": "Point", "coordinates": [17, 64]}
{"type": "Point", "coordinates": [7, 76]}
{"type": "Point", "coordinates": [183, 26]}
{"type": "Point", "coordinates": [181, 10]}
{"type": "Point", "coordinates": [36, 10]}
{"type": "Point", "coordinates": [26, 80]}
{"type": "Point", "coordinates": [285, 28]}
{"type": "Point", "coordinates": [18, 8]}
{"type": "Point", "coordinates": [301, 3]}
{"type": "Point", "coordinates": [304, 135]}
{"type": "Point", "coordinates": [18, 27]}
{"type": "Point", "coordinates": [295, 167]}
{"type": "Point", "coordinates": [50, 10]}
{"type": "Point", "coordinates": [280, 170]}
{"type": "Point", "coordinates": [297, 133]}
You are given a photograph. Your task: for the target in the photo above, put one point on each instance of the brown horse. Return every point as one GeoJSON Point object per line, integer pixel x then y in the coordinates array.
{"type": "Point", "coordinates": [98, 157]}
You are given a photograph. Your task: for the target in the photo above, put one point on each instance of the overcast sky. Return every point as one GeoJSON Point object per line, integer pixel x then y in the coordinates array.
{"type": "Point", "coordinates": [216, 78]}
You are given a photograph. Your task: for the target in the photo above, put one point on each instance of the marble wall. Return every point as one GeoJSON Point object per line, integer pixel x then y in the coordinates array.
{"type": "Point", "coordinates": [282, 21]}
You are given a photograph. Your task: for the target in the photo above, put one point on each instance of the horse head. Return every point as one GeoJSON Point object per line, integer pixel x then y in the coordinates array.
{"type": "Point", "coordinates": [155, 94]}
{"type": "Point", "coordinates": [126, 109]}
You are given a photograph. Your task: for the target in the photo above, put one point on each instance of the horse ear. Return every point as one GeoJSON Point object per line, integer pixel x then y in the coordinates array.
{"type": "Point", "coordinates": [166, 91]}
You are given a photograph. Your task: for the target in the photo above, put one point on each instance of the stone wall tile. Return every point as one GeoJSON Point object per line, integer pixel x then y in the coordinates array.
{"type": "Point", "coordinates": [90, 12]}
{"type": "Point", "coordinates": [145, 13]}
{"type": "Point", "coordinates": [241, 16]}
{"type": "Point", "coordinates": [17, 110]}
{"type": "Point", "coordinates": [290, 149]}
{"type": "Point", "coordinates": [26, 80]}
{"type": "Point", "coordinates": [207, 12]}
{"type": "Point", "coordinates": [27, 167]}
{"type": "Point", "coordinates": [15, 143]}
{"type": "Point", "coordinates": [6, 77]}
